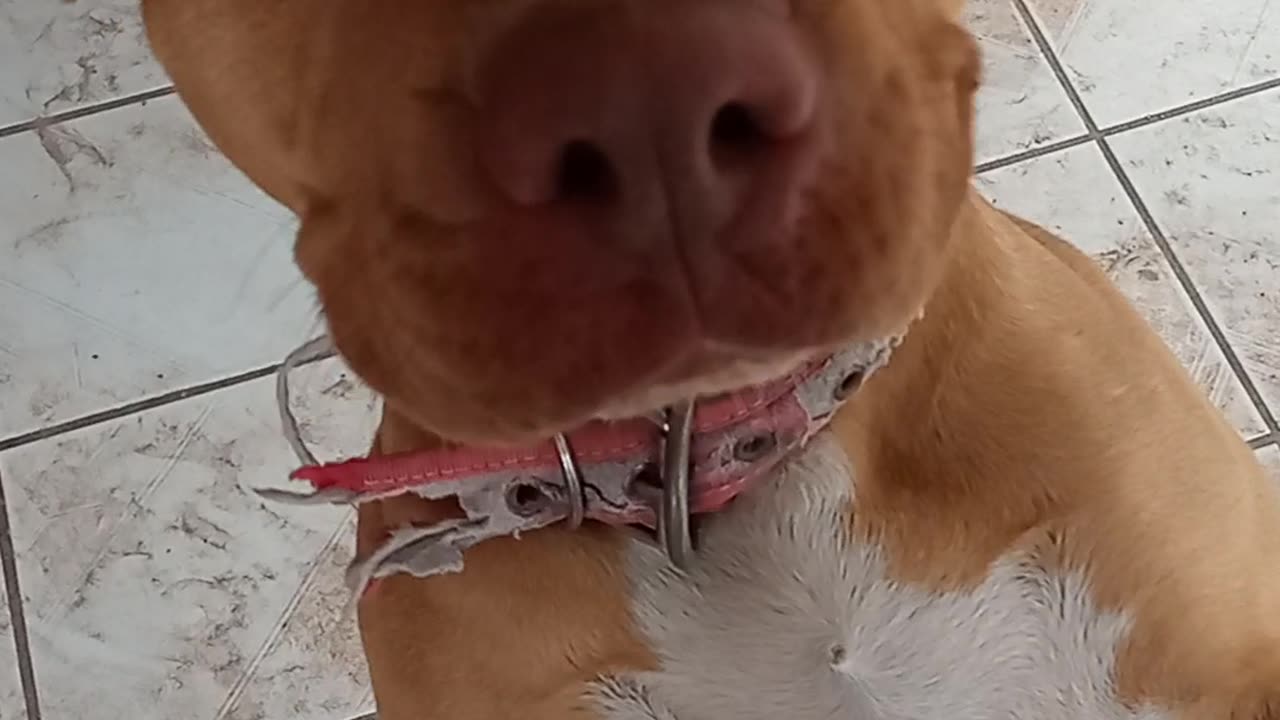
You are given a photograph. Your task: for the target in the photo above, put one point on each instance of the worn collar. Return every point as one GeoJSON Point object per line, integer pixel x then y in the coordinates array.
{"type": "Point", "coordinates": [638, 472]}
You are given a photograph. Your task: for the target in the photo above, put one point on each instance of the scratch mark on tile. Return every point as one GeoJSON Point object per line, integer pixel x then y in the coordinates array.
{"type": "Point", "coordinates": [202, 529]}
{"type": "Point", "coordinates": [993, 42]}
{"type": "Point", "coordinates": [103, 29]}
{"type": "Point", "coordinates": [44, 33]}
{"type": "Point", "coordinates": [103, 444]}
{"type": "Point", "coordinates": [75, 365]}
{"type": "Point", "coordinates": [235, 200]}
{"type": "Point", "coordinates": [251, 268]}
{"type": "Point", "coordinates": [75, 312]}
{"type": "Point", "coordinates": [73, 510]}
{"type": "Point", "coordinates": [46, 233]}
{"type": "Point", "coordinates": [1262, 351]}
{"type": "Point", "coordinates": [195, 141]}
{"type": "Point", "coordinates": [317, 564]}
{"type": "Point", "coordinates": [176, 456]}
{"type": "Point", "coordinates": [62, 144]}
{"type": "Point", "coordinates": [62, 449]}
{"type": "Point", "coordinates": [1253, 40]}
{"type": "Point", "coordinates": [340, 388]}
{"type": "Point", "coordinates": [284, 293]}
{"type": "Point", "coordinates": [1059, 18]}
{"type": "Point", "coordinates": [132, 509]}
{"type": "Point", "coordinates": [54, 151]}
{"type": "Point", "coordinates": [77, 91]}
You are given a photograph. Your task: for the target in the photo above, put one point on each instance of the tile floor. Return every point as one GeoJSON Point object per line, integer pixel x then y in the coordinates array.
{"type": "Point", "coordinates": [146, 288]}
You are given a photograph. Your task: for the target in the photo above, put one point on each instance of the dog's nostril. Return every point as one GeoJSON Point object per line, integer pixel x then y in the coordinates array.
{"type": "Point", "coordinates": [736, 131]}
{"type": "Point", "coordinates": [585, 174]}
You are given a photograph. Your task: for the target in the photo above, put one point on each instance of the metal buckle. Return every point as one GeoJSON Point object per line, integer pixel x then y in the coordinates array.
{"type": "Point", "coordinates": [672, 510]}
{"type": "Point", "coordinates": [572, 483]}
{"type": "Point", "coordinates": [673, 514]}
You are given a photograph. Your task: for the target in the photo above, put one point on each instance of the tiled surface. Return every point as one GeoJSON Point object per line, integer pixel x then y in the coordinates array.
{"type": "Point", "coordinates": [135, 261]}
{"type": "Point", "coordinates": [314, 668]}
{"type": "Point", "coordinates": [1270, 458]}
{"type": "Point", "coordinates": [1021, 105]}
{"type": "Point", "coordinates": [1074, 194]}
{"type": "Point", "coordinates": [151, 574]}
{"type": "Point", "coordinates": [11, 700]}
{"type": "Point", "coordinates": [1212, 181]}
{"type": "Point", "coordinates": [202, 280]}
{"type": "Point", "coordinates": [1131, 58]}
{"type": "Point", "coordinates": [57, 55]}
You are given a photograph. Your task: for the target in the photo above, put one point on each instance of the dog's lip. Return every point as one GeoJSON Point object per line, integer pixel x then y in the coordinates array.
{"type": "Point", "coordinates": [715, 372]}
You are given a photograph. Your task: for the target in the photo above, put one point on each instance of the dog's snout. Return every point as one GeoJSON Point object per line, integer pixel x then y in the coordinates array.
{"type": "Point", "coordinates": [671, 123]}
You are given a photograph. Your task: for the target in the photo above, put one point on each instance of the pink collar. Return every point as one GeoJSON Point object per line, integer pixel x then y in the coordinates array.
{"type": "Point", "coordinates": [611, 472]}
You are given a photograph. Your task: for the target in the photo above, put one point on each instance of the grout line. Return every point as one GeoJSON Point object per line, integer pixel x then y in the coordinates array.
{"type": "Point", "coordinates": [1144, 212]}
{"type": "Point", "coordinates": [1124, 127]}
{"type": "Point", "coordinates": [1127, 126]}
{"type": "Point", "coordinates": [85, 111]}
{"type": "Point", "coordinates": [1055, 65]}
{"type": "Point", "coordinates": [1118, 128]}
{"type": "Point", "coordinates": [308, 580]}
{"type": "Point", "coordinates": [1189, 287]}
{"type": "Point", "coordinates": [17, 614]}
{"type": "Point", "coordinates": [1191, 107]}
{"type": "Point", "coordinates": [1264, 441]}
{"type": "Point", "coordinates": [137, 406]}
{"type": "Point", "coordinates": [1031, 153]}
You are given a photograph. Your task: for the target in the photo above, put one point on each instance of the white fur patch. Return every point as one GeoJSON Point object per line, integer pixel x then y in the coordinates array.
{"type": "Point", "coordinates": [784, 616]}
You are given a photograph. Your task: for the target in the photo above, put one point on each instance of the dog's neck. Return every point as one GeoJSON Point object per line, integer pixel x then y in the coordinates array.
{"type": "Point", "coordinates": [947, 448]}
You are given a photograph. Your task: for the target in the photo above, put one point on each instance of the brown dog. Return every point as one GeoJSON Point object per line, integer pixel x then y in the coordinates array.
{"type": "Point", "coordinates": [525, 214]}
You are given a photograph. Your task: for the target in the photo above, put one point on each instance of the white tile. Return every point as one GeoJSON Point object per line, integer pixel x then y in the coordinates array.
{"type": "Point", "coordinates": [151, 576]}
{"type": "Point", "coordinates": [135, 260]}
{"type": "Point", "coordinates": [1075, 195]}
{"type": "Point", "coordinates": [12, 705]}
{"type": "Point", "coordinates": [1132, 58]}
{"type": "Point", "coordinates": [56, 363]}
{"type": "Point", "coordinates": [1270, 459]}
{"type": "Point", "coordinates": [1212, 181]}
{"type": "Point", "coordinates": [56, 55]}
{"type": "Point", "coordinates": [1021, 104]}
{"type": "Point", "coordinates": [315, 668]}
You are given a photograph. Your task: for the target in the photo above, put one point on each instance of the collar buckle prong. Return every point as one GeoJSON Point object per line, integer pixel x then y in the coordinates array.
{"type": "Point", "coordinates": [673, 514]}
{"type": "Point", "coordinates": [576, 498]}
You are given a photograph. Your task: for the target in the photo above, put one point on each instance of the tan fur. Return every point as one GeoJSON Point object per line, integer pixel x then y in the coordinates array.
{"type": "Point", "coordinates": [364, 132]}
{"type": "Point", "coordinates": [518, 635]}
{"type": "Point", "coordinates": [1030, 397]}
{"type": "Point", "coordinates": [1049, 404]}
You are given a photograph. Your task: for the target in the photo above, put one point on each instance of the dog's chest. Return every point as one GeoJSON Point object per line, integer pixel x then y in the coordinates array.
{"type": "Point", "coordinates": [783, 616]}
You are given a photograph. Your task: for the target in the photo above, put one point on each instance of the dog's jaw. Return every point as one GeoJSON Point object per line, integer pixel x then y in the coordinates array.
{"type": "Point", "coordinates": [651, 401]}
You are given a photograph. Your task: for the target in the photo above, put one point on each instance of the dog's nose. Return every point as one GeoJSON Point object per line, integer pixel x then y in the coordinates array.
{"type": "Point", "coordinates": [670, 122]}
